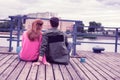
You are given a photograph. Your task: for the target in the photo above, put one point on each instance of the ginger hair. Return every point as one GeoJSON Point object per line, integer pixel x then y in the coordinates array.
{"type": "Point", "coordinates": [35, 31]}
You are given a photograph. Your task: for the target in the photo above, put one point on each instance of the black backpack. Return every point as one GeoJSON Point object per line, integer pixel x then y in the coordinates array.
{"type": "Point", "coordinates": [57, 50]}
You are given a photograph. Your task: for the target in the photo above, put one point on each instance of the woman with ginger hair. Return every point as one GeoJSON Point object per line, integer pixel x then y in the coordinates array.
{"type": "Point", "coordinates": [31, 42]}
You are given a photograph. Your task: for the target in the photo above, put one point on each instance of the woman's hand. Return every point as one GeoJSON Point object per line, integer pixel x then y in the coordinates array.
{"type": "Point", "coordinates": [36, 63]}
{"type": "Point", "coordinates": [41, 60]}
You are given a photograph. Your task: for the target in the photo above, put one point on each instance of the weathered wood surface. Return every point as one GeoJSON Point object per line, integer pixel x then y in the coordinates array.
{"type": "Point", "coordinates": [104, 66]}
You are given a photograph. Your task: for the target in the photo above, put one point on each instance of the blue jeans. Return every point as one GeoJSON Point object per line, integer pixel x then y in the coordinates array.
{"type": "Point", "coordinates": [18, 49]}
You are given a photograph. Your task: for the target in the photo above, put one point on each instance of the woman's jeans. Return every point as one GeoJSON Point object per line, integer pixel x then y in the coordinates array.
{"type": "Point", "coordinates": [18, 49]}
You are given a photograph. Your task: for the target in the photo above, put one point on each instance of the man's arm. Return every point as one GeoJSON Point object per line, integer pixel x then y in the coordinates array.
{"type": "Point", "coordinates": [66, 40]}
{"type": "Point", "coordinates": [44, 44]}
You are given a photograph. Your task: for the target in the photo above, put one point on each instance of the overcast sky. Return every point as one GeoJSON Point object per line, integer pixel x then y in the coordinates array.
{"type": "Point", "coordinates": [106, 12]}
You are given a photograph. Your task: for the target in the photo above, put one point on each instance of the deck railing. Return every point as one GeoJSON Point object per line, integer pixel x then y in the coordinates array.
{"type": "Point", "coordinates": [115, 35]}
{"type": "Point", "coordinates": [74, 33]}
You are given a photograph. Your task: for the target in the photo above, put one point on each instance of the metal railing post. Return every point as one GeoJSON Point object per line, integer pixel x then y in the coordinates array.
{"type": "Point", "coordinates": [74, 40]}
{"type": "Point", "coordinates": [116, 40]}
{"type": "Point", "coordinates": [11, 31]}
{"type": "Point", "coordinates": [18, 31]}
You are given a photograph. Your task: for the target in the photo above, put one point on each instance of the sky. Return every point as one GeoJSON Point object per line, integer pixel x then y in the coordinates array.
{"type": "Point", "coordinates": [106, 12]}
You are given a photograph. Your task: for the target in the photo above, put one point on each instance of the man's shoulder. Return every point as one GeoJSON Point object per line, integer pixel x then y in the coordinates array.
{"type": "Point", "coordinates": [53, 32]}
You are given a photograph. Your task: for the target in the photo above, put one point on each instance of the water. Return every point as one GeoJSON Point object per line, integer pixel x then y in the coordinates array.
{"type": "Point", "coordinates": [82, 47]}
{"type": "Point", "coordinates": [5, 43]}
{"type": "Point", "coordinates": [89, 46]}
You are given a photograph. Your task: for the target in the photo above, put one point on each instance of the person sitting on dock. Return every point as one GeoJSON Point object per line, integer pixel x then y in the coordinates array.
{"type": "Point", "coordinates": [54, 44]}
{"type": "Point", "coordinates": [31, 41]}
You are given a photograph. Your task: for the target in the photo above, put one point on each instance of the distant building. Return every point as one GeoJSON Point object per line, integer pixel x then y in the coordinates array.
{"type": "Point", "coordinates": [42, 15]}
{"type": "Point", "coordinates": [39, 15]}
{"type": "Point", "coordinates": [63, 24]}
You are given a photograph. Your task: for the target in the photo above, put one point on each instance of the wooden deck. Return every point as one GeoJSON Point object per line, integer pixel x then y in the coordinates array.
{"type": "Point", "coordinates": [104, 66]}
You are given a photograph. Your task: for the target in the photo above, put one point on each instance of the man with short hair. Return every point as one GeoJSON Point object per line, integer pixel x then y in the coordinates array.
{"type": "Point", "coordinates": [54, 44]}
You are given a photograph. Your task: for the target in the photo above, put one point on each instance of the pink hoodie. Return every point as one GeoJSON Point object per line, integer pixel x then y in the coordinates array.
{"type": "Point", "coordinates": [30, 49]}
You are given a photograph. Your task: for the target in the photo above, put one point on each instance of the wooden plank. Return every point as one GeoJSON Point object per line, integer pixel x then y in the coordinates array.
{"type": "Point", "coordinates": [91, 70]}
{"type": "Point", "coordinates": [25, 71]}
{"type": "Point", "coordinates": [57, 73]}
{"type": "Point", "coordinates": [79, 70]}
{"type": "Point", "coordinates": [32, 73]}
{"type": "Point", "coordinates": [6, 64]}
{"type": "Point", "coordinates": [117, 55]}
{"type": "Point", "coordinates": [112, 61]}
{"type": "Point", "coordinates": [72, 72]}
{"type": "Point", "coordinates": [3, 56]}
{"type": "Point", "coordinates": [65, 73]}
{"type": "Point", "coordinates": [15, 73]}
{"type": "Point", "coordinates": [49, 73]}
{"type": "Point", "coordinates": [41, 72]}
{"type": "Point", "coordinates": [9, 53]}
{"type": "Point", "coordinates": [8, 71]}
{"type": "Point", "coordinates": [97, 67]}
{"type": "Point", "coordinates": [93, 65]}
{"type": "Point", "coordinates": [103, 67]}
{"type": "Point", "coordinates": [86, 71]}
{"type": "Point", "coordinates": [111, 68]}
{"type": "Point", "coordinates": [5, 59]}
{"type": "Point", "coordinates": [103, 61]}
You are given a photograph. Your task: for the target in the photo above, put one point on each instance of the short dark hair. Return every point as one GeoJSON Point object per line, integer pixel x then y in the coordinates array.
{"type": "Point", "coordinates": [54, 21]}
